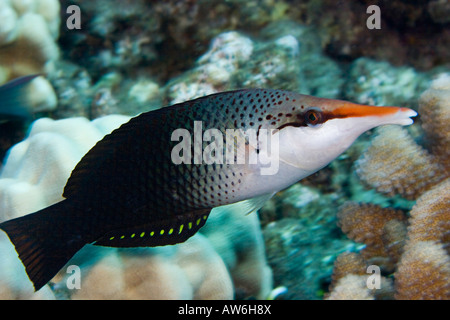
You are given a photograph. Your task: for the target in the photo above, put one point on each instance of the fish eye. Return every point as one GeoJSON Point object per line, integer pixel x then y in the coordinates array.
{"type": "Point", "coordinates": [313, 117]}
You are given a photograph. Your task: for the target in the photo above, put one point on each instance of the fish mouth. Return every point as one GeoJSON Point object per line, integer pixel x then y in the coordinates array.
{"type": "Point", "coordinates": [403, 117]}
{"type": "Point", "coordinates": [386, 115]}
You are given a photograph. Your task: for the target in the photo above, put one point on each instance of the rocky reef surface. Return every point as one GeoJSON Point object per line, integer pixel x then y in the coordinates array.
{"type": "Point", "coordinates": [315, 239]}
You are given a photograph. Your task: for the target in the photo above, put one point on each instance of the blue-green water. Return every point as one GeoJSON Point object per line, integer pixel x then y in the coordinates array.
{"type": "Point", "coordinates": [109, 60]}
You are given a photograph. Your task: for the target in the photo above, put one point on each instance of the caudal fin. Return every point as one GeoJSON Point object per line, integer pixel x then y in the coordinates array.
{"type": "Point", "coordinates": [44, 241]}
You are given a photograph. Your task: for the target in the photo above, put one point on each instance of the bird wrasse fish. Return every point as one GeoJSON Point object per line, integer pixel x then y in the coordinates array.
{"type": "Point", "coordinates": [128, 191]}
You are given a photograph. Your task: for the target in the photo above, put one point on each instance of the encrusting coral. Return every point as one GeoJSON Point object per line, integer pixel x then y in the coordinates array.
{"type": "Point", "coordinates": [213, 265]}
{"type": "Point", "coordinates": [416, 248]}
{"type": "Point", "coordinates": [28, 34]}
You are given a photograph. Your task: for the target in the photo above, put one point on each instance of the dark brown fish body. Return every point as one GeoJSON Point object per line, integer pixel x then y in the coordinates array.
{"type": "Point", "coordinates": [128, 192]}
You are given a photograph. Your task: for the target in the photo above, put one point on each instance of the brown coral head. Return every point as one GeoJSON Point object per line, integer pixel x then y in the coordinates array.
{"type": "Point", "coordinates": [434, 109]}
{"type": "Point", "coordinates": [423, 273]}
{"type": "Point", "coordinates": [395, 164]}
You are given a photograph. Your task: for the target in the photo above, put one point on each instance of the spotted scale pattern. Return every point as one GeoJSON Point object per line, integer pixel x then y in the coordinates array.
{"type": "Point", "coordinates": [131, 185]}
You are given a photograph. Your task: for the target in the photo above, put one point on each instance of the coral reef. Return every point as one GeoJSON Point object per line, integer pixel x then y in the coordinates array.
{"type": "Point", "coordinates": [350, 280]}
{"type": "Point", "coordinates": [345, 34]}
{"type": "Point", "coordinates": [377, 82]}
{"type": "Point", "coordinates": [137, 57]}
{"type": "Point", "coordinates": [240, 244]}
{"type": "Point", "coordinates": [439, 11]}
{"type": "Point", "coordinates": [37, 168]}
{"type": "Point", "coordinates": [417, 258]}
{"type": "Point", "coordinates": [147, 37]}
{"type": "Point", "coordinates": [423, 272]}
{"type": "Point", "coordinates": [28, 45]}
{"type": "Point", "coordinates": [214, 69]}
{"type": "Point", "coordinates": [413, 248]}
{"type": "Point", "coordinates": [429, 214]}
{"type": "Point", "coordinates": [282, 60]}
{"type": "Point", "coordinates": [302, 239]}
{"type": "Point", "coordinates": [434, 110]}
{"type": "Point", "coordinates": [14, 283]}
{"type": "Point", "coordinates": [351, 287]}
{"type": "Point", "coordinates": [222, 263]}
{"type": "Point", "coordinates": [348, 263]}
{"type": "Point", "coordinates": [396, 164]}
{"type": "Point", "coordinates": [368, 224]}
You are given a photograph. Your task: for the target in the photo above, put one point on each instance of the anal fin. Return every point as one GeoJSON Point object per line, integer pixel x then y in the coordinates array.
{"type": "Point", "coordinates": [171, 231]}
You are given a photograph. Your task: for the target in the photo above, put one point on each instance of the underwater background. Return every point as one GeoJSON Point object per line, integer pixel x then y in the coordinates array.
{"type": "Point", "coordinates": [385, 202]}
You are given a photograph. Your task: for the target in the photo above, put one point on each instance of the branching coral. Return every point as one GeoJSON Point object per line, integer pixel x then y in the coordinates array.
{"type": "Point", "coordinates": [396, 164]}
{"type": "Point", "coordinates": [347, 263]}
{"type": "Point", "coordinates": [351, 287]}
{"type": "Point", "coordinates": [417, 249]}
{"type": "Point", "coordinates": [14, 283]}
{"type": "Point", "coordinates": [423, 272]}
